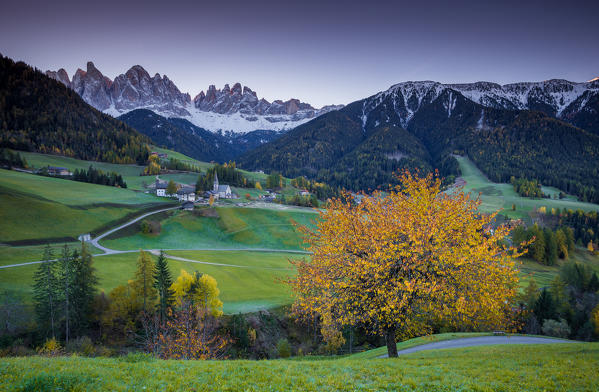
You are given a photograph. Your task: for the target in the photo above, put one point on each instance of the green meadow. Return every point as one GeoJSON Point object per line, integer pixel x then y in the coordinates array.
{"type": "Point", "coordinates": [248, 281]}
{"type": "Point", "coordinates": [38, 208]}
{"type": "Point", "coordinates": [557, 367]}
{"type": "Point", "coordinates": [496, 196]}
{"type": "Point", "coordinates": [230, 227]}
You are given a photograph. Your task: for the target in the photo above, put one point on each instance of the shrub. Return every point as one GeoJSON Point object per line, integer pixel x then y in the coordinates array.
{"type": "Point", "coordinates": [283, 348]}
{"type": "Point", "coordinates": [50, 348]}
{"type": "Point", "coordinates": [83, 346]}
{"type": "Point", "coordinates": [559, 329]}
{"type": "Point", "coordinates": [138, 357]}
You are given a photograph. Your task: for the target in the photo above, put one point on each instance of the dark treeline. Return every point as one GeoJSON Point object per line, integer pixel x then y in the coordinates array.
{"type": "Point", "coordinates": [227, 174]}
{"type": "Point", "coordinates": [585, 225]}
{"type": "Point", "coordinates": [95, 176]}
{"type": "Point", "coordinates": [527, 188]}
{"type": "Point", "coordinates": [175, 164]}
{"type": "Point", "coordinates": [545, 245]}
{"type": "Point", "coordinates": [11, 159]}
{"type": "Point", "coordinates": [321, 190]}
{"type": "Point", "coordinates": [567, 307]}
{"type": "Point", "coordinates": [40, 114]}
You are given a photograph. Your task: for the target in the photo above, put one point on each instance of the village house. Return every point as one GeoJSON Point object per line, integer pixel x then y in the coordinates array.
{"type": "Point", "coordinates": [58, 171]}
{"type": "Point", "coordinates": [186, 194]}
{"type": "Point", "coordinates": [161, 188]}
{"type": "Point", "coordinates": [188, 206]}
{"type": "Point", "coordinates": [304, 192]}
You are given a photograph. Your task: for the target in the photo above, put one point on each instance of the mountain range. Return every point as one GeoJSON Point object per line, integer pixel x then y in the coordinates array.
{"type": "Point", "coordinates": [546, 130]}
{"type": "Point", "coordinates": [237, 109]}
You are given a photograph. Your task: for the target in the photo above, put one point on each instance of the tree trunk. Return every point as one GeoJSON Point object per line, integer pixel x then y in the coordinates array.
{"type": "Point", "coordinates": [390, 339]}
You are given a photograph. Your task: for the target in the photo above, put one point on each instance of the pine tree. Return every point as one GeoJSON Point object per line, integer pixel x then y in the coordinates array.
{"type": "Point", "coordinates": [65, 284]}
{"type": "Point", "coordinates": [538, 246]}
{"type": "Point", "coordinates": [84, 288]}
{"type": "Point", "coordinates": [45, 290]}
{"type": "Point", "coordinates": [162, 282]}
{"type": "Point", "coordinates": [545, 306]}
{"type": "Point", "coordinates": [550, 247]}
{"type": "Point", "coordinates": [143, 282]}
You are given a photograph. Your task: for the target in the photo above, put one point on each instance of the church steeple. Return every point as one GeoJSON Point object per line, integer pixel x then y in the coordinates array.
{"type": "Point", "coordinates": [215, 182]}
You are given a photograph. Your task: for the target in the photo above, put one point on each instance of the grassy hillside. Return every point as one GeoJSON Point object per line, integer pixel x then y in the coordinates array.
{"type": "Point", "coordinates": [35, 207]}
{"type": "Point", "coordinates": [229, 227]}
{"type": "Point", "coordinates": [497, 196]}
{"type": "Point", "coordinates": [560, 367]}
{"type": "Point", "coordinates": [248, 284]}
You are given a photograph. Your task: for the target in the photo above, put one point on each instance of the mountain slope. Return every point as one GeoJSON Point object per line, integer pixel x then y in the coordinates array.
{"type": "Point", "coordinates": [426, 122]}
{"type": "Point", "coordinates": [40, 114]}
{"type": "Point", "coordinates": [181, 135]}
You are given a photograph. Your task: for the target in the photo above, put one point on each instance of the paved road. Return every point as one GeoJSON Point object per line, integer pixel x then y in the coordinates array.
{"type": "Point", "coordinates": [480, 341]}
{"type": "Point", "coordinates": [95, 243]}
{"type": "Point", "coordinates": [108, 251]}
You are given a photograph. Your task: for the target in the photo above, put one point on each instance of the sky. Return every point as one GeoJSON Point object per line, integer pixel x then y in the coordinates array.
{"type": "Point", "coordinates": [322, 52]}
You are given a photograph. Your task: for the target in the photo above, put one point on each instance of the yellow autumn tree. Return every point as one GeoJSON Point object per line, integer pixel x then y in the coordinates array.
{"type": "Point", "coordinates": [398, 262]}
{"type": "Point", "coordinates": [200, 289]}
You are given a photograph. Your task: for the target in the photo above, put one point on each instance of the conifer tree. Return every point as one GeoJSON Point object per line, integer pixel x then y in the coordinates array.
{"type": "Point", "coordinates": [65, 283]}
{"type": "Point", "coordinates": [45, 290]}
{"type": "Point", "coordinates": [162, 282]}
{"type": "Point", "coordinates": [144, 280]}
{"type": "Point", "coordinates": [84, 288]}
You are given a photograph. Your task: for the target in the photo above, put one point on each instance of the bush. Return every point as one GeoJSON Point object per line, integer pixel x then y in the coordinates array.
{"type": "Point", "coordinates": [138, 357]}
{"type": "Point", "coordinates": [283, 348]}
{"type": "Point", "coordinates": [51, 348]}
{"type": "Point", "coordinates": [58, 382]}
{"type": "Point", "coordinates": [82, 346]}
{"type": "Point", "coordinates": [558, 329]}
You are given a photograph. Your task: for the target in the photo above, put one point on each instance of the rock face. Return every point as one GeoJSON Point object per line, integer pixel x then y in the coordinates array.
{"type": "Point", "coordinates": [236, 109]}
{"type": "Point", "coordinates": [129, 91]}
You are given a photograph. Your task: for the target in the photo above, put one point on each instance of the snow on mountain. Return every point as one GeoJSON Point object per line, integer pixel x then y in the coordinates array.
{"type": "Point", "coordinates": [558, 98]}
{"type": "Point", "coordinates": [236, 109]}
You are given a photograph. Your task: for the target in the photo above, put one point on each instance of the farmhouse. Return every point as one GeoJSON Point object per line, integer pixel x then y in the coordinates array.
{"type": "Point", "coordinates": [186, 194]}
{"type": "Point", "coordinates": [58, 171]}
{"type": "Point", "coordinates": [304, 192]}
{"type": "Point", "coordinates": [188, 206]}
{"type": "Point", "coordinates": [221, 191]}
{"type": "Point", "coordinates": [161, 188]}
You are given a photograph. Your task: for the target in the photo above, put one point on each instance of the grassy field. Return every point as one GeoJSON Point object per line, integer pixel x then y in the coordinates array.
{"type": "Point", "coordinates": [243, 289]}
{"type": "Point", "coordinates": [560, 367]}
{"type": "Point", "coordinates": [36, 207]}
{"type": "Point", "coordinates": [131, 173]}
{"type": "Point", "coordinates": [496, 196]}
{"type": "Point", "coordinates": [232, 228]}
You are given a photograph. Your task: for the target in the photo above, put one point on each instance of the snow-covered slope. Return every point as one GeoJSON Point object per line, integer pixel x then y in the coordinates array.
{"type": "Point", "coordinates": [236, 109]}
{"type": "Point", "coordinates": [558, 98]}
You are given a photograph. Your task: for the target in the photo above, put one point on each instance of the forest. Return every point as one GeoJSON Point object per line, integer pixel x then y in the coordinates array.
{"type": "Point", "coordinates": [42, 115]}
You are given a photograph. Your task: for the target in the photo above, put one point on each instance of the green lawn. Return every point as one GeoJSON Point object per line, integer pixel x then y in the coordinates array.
{"type": "Point", "coordinates": [36, 207]}
{"type": "Point", "coordinates": [496, 196]}
{"type": "Point", "coordinates": [234, 227]}
{"type": "Point", "coordinates": [559, 367]}
{"type": "Point", "coordinates": [248, 289]}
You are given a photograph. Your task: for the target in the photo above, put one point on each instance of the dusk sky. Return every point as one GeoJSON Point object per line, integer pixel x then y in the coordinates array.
{"type": "Point", "coordinates": [320, 52]}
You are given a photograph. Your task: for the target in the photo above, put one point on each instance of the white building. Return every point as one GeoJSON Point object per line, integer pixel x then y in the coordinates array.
{"type": "Point", "coordinates": [221, 191]}
{"type": "Point", "coordinates": [186, 194]}
{"type": "Point", "coordinates": [161, 188]}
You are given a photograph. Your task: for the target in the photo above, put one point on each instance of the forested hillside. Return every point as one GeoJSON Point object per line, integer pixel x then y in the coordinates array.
{"type": "Point", "coordinates": [40, 114]}
{"type": "Point", "coordinates": [181, 135]}
{"type": "Point", "coordinates": [361, 145]}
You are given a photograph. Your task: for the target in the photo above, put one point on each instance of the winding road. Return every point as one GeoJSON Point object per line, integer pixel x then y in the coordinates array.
{"type": "Point", "coordinates": [480, 341]}
{"type": "Point", "coordinates": [108, 251]}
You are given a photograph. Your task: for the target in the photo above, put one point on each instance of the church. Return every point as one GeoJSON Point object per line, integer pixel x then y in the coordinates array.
{"type": "Point", "coordinates": [221, 191]}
